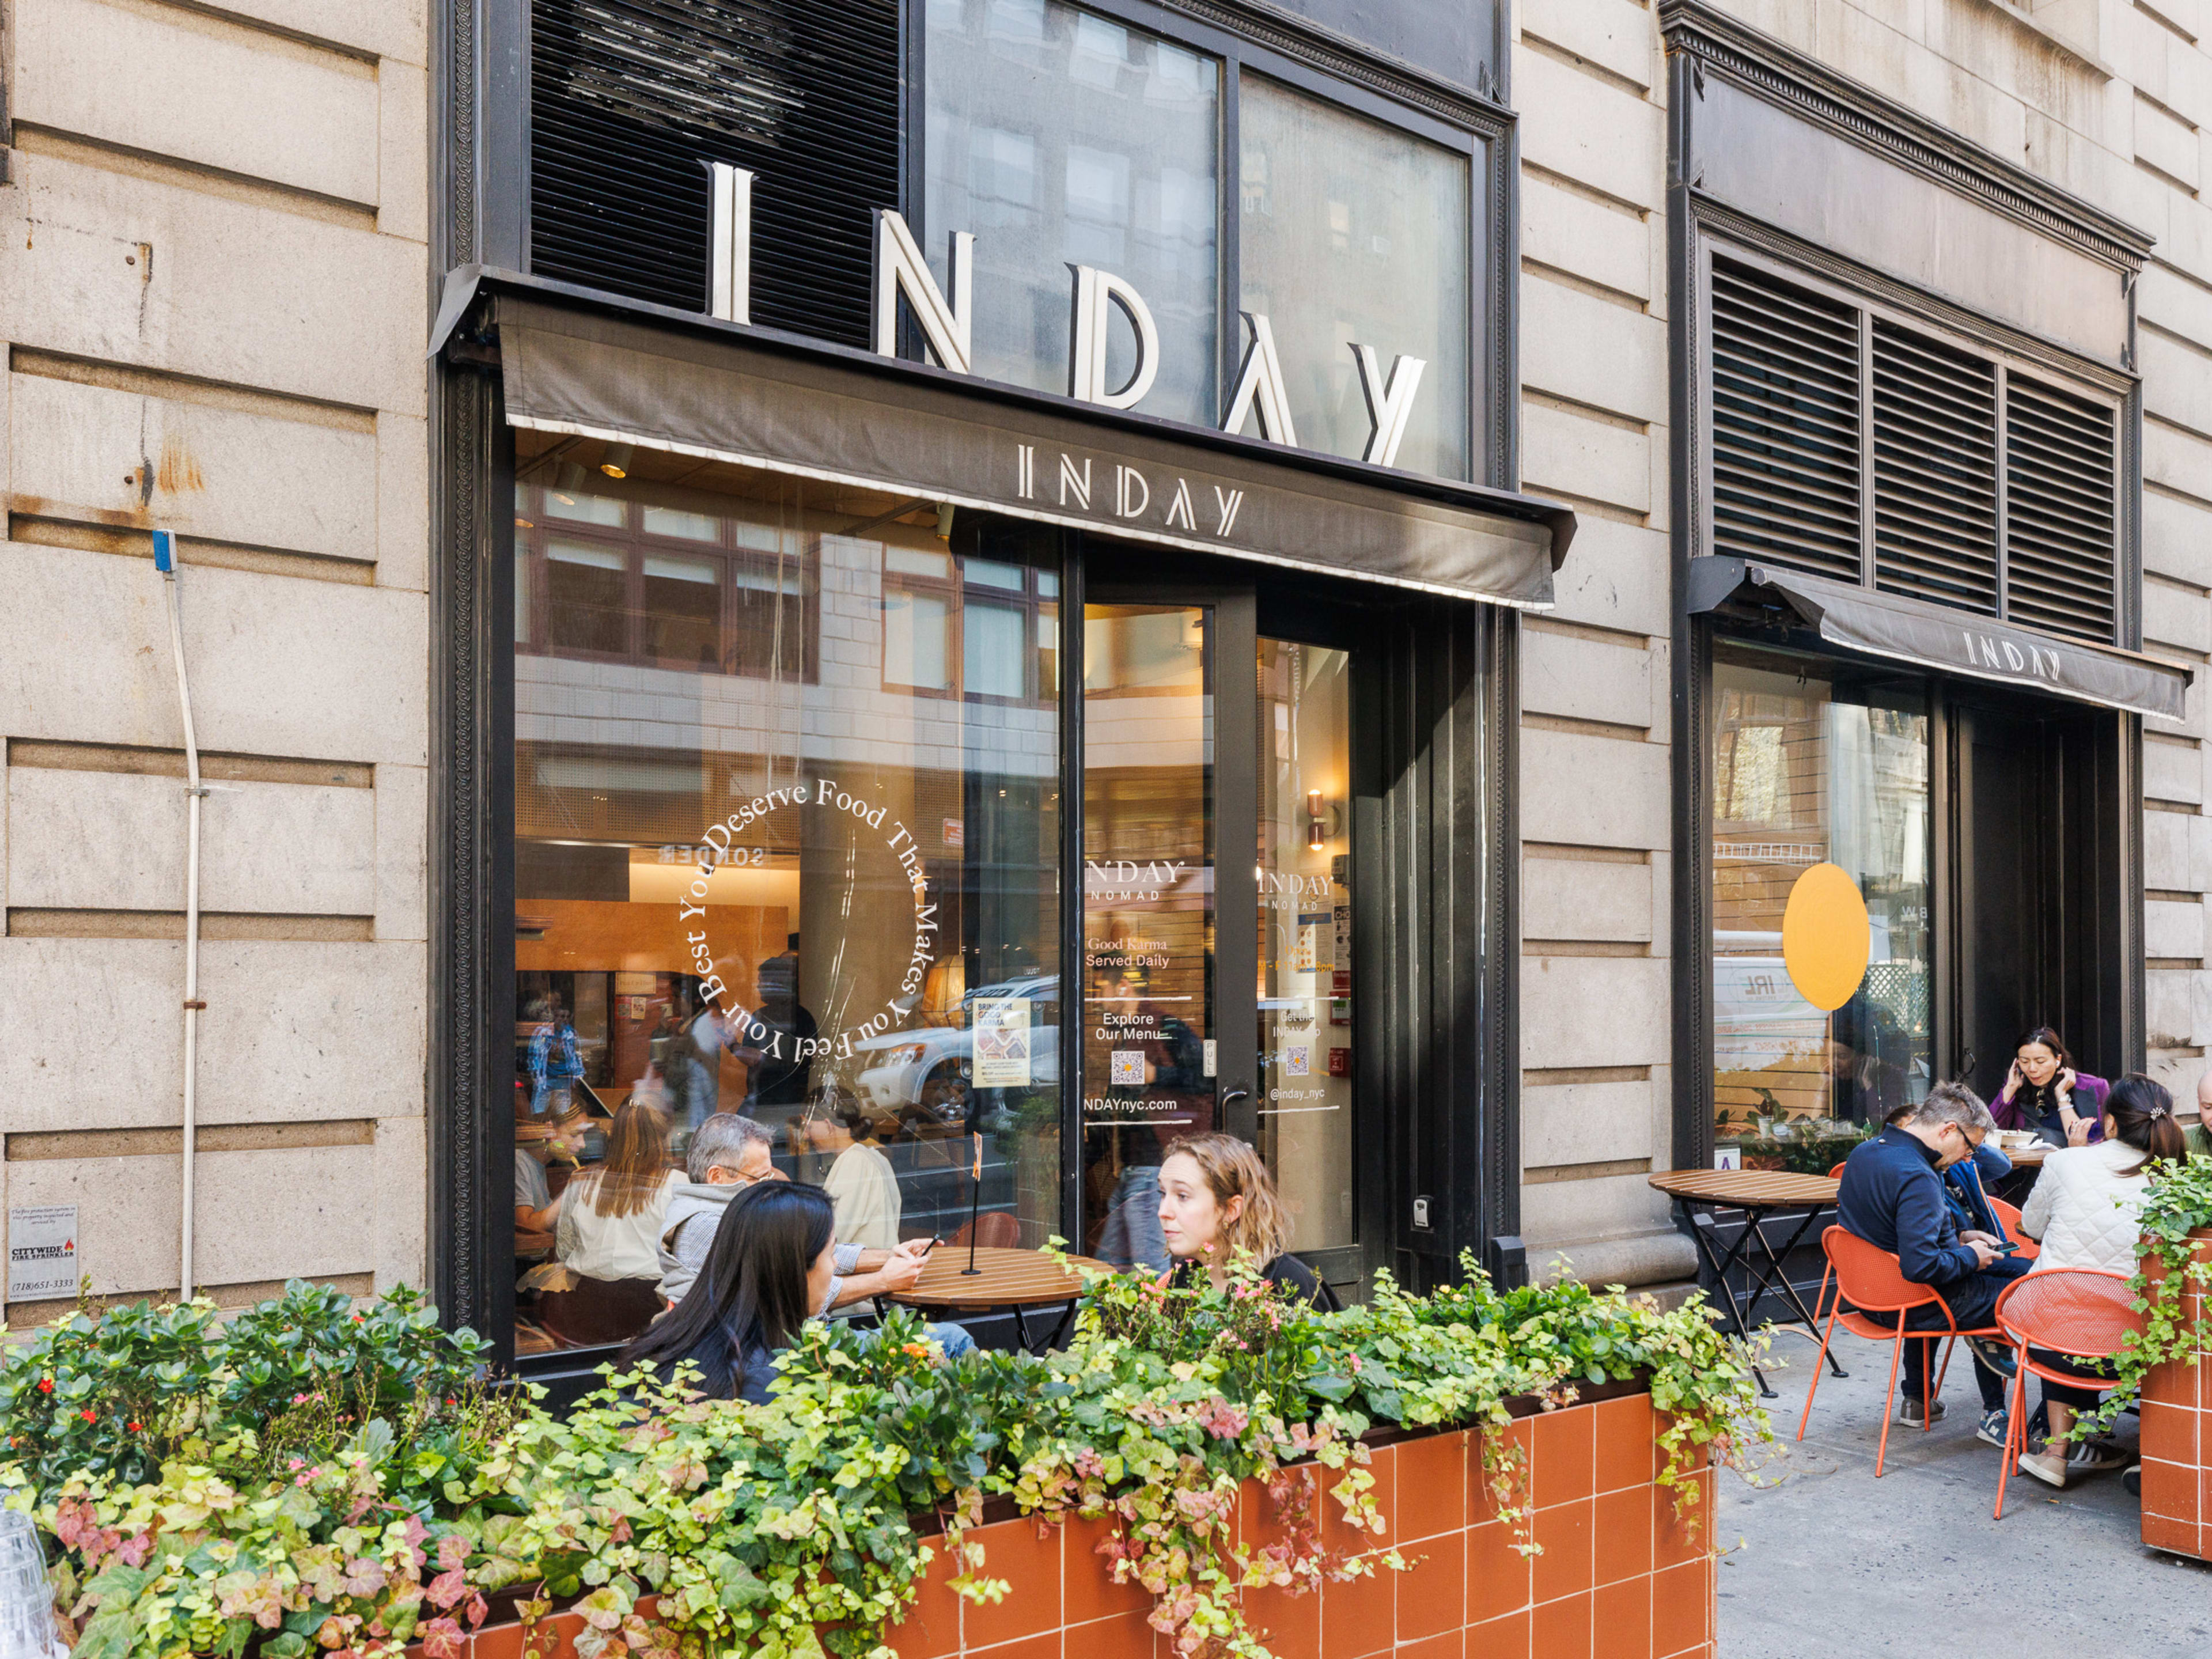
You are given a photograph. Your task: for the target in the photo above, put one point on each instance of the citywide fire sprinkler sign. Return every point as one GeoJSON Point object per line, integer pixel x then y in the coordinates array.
{"type": "Point", "coordinates": [42, 1253]}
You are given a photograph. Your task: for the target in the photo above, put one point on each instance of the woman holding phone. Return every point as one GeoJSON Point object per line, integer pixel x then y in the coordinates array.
{"type": "Point", "coordinates": [2044, 1093]}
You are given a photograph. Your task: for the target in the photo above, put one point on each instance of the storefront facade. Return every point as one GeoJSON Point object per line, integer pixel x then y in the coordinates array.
{"type": "Point", "coordinates": [1907, 525]}
{"type": "Point", "coordinates": [880, 641]}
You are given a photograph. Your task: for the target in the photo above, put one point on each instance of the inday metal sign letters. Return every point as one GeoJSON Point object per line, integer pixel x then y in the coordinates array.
{"type": "Point", "coordinates": [947, 325]}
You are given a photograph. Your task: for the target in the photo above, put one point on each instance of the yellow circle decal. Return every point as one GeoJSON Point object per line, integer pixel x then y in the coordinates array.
{"type": "Point", "coordinates": [1826, 937]}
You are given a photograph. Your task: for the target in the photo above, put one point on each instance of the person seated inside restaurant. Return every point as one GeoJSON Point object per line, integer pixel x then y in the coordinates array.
{"type": "Point", "coordinates": [2087, 1212]}
{"type": "Point", "coordinates": [860, 1181]}
{"type": "Point", "coordinates": [1892, 1195]}
{"type": "Point", "coordinates": [1217, 1202]}
{"type": "Point", "coordinates": [607, 1233]}
{"type": "Point", "coordinates": [2044, 1093]}
{"type": "Point", "coordinates": [729, 1155]}
{"type": "Point", "coordinates": [772, 1265]}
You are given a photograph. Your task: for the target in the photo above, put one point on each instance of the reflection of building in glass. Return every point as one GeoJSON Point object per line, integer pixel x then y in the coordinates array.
{"type": "Point", "coordinates": [869, 714]}
{"type": "Point", "coordinates": [1807, 771]}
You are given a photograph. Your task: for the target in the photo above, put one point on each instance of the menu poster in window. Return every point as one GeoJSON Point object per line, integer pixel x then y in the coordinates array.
{"type": "Point", "coordinates": [1002, 1043]}
{"type": "Point", "coordinates": [42, 1253]}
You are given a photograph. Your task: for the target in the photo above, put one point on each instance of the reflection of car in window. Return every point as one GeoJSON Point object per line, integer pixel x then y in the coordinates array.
{"type": "Point", "coordinates": [923, 1075]}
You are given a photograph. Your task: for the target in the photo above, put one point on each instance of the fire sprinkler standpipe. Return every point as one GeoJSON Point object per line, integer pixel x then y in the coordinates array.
{"type": "Point", "coordinates": [165, 561]}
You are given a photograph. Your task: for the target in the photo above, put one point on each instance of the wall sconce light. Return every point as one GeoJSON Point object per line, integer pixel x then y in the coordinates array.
{"type": "Point", "coordinates": [1316, 831]}
{"type": "Point", "coordinates": [618, 459]}
{"type": "Point", "coordinates": [944, 522]}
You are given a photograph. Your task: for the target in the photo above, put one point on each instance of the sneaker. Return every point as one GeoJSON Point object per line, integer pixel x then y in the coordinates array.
{"type": "Point", "coordinates": [1995, 1355]}
{"type": "Point", "coordinates": [2093, 1457]}
{"type": "Point", "coordinates": [1993, 1427]}
{"type": "Point", "coordinates": [2133, 1479]}
{"type": "Point", "coordinates": [2048, 1466]}
{"type": "Point", "coordinates": [1908, 1410]}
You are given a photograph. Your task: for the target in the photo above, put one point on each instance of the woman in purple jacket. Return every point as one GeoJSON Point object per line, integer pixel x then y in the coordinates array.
{"type": "Point", "coordinates": [2044, 1092]}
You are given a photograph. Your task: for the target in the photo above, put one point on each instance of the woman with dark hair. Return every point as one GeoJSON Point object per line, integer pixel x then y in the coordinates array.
{"type": "Point", "coordinates": [2044, 1093]}
{"type": "Point", "coordinates": [768, 1270]}
{"type": "Point", "coordinates": [2087, 1210]}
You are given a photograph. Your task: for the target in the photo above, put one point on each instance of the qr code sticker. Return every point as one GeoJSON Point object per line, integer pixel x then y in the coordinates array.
{"type": "Point", "coordinates": [1128, 1066]}
{"type": "Point", "coordinates": [1297, 1060]}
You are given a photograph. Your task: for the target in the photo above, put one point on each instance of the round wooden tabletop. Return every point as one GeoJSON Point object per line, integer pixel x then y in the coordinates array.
{"type": "Point", "coordinates": [1002, 1279]}
{"type": "Point", "coordinates": [1748, 1189]}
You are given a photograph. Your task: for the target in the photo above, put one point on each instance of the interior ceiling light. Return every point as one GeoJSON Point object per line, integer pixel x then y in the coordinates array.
{"type": "Point", "coordinates": [568, 482]}
{"type": "Point", "coordinates": [618, 459]}
{"type": "Point", "coordinates": [944, 522]}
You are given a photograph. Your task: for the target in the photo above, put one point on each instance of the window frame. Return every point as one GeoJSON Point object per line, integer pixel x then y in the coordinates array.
{"type": "Point", "coordinates": [1468, 128]}
{"type": "Point", "coordinates": [1031, 602]}
{"type": "Point", "coordinates": [535, 528]}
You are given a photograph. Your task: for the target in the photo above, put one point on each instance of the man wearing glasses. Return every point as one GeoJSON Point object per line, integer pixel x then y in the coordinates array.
{"type": "Point", "coordinates": [1892, 1197]}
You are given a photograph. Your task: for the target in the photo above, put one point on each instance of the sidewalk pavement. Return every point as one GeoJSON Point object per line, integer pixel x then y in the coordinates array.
{"type": "Point", "coordinates": [1821, 1560]}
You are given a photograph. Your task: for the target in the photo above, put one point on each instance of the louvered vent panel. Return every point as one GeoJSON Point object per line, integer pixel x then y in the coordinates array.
{"type": "Point", "coordinates": [629, 98]}
{"type": "Point", "coordinates": [1785, 424]}
{"type": "Point", "coordinates": [2059, 464]}
{"type": "Point", "coordinates": [1935, 470]}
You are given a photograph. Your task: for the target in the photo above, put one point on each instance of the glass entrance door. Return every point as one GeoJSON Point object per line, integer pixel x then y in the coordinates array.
{"type": "Point", "coordinates": [1217, 930]}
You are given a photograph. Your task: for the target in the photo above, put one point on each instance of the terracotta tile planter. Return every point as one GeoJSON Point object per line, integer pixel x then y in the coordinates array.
{"type": "Point", "coordinates": [2177, 1443]}
{"type": "Point", "coordinates": [1619, 1577]}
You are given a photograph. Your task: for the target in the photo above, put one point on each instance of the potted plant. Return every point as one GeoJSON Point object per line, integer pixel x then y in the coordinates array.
{"type": "Point", "coordinates": [2167, 1367]}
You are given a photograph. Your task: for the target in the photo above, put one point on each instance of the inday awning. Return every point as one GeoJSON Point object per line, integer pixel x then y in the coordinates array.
{"type": "Point", "coordinates": [1949, 641]}
{"type": "Point", "coordinates": [849, 418]}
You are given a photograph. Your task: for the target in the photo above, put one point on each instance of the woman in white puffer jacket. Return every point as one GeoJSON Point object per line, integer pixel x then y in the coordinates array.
{"type": "Point", "coordinates": [2086, 1211]}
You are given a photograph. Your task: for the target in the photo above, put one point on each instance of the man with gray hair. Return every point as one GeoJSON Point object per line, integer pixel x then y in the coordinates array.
{"type": "Point", "coordinates": [1892, 1196]}
{"type": "Point", "coordinates": [728, 1155]}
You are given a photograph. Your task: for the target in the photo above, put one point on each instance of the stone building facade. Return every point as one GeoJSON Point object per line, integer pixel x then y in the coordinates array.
{"type": "Point", "coordinates": [218, 288]}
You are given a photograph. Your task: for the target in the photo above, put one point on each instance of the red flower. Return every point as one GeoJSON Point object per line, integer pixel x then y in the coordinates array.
{"type": "Point", "coordinates": [89, 1415]}
{"type": "Point", "coordinates": [46, 1385]}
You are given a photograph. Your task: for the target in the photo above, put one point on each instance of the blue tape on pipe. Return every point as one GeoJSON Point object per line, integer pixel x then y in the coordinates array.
{"type": "Point", "coordinates": [165, 550]}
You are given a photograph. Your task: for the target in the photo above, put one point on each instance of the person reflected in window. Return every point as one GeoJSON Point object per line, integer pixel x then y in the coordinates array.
{"type": "Point", "coordinates": [608, 1230]}
{"type": "Point", "coordinates": [860, 1181]}
{"type": "Point", "coordinates": [555, 1058]}
{"type": "Point", "coordinates": [1217, 1202]}
{"type": "Point", "coordinates": [692, 1061]}
{"type": "Point", "coordinates": [2044, 1093]}
{"type": "Point", "coordinates": [776, 1041]}
{"type": "Point", "coordinates": [1131, 1236]}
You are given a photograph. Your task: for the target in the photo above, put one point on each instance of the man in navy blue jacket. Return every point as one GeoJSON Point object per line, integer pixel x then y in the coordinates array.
{"type": "Point", "coordinates": [1892, 1197]}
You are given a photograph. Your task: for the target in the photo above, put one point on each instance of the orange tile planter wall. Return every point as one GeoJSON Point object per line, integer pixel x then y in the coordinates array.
{"type": "Point", "coordinates": [2177, 1444]}
{"type": "Point", "coordinates": [1620, 1576]}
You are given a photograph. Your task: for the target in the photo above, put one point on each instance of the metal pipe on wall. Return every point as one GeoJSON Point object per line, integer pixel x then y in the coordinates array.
{"type": "Point", "coordinates": [165, 561]}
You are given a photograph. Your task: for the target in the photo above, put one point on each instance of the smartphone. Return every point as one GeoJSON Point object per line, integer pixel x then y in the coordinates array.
{"type": "Point", "coordinates": [931, 1245]}
{"type": "Point", "coordinates": [2008, 1248]}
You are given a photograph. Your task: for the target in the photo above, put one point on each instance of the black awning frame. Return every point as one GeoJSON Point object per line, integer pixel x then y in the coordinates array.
{"type": "Point", "coordinates": [1945, 640]}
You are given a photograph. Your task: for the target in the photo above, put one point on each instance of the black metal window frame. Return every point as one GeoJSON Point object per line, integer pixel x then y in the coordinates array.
{"type": "Point", "coordinates": [1921, 323]}
{"type": "Point", "coordinates": [1308, 61]}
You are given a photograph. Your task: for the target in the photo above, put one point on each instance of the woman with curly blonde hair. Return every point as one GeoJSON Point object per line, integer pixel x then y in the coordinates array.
{"type": "Point", "coordinates": [1217, 1202]}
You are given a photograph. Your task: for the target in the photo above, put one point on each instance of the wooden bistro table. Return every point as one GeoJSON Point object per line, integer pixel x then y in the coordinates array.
{"type": "Point", "coordinates": [1758, 1193]}
{"type": "Point", "coordinates": [1004, 1281]}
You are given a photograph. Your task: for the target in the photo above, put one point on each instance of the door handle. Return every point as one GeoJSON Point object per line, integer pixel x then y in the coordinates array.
{"type": "Point", "coordinates": [1966, 1066]}
{"type": "Point", "coordinates": [1236, 1095]}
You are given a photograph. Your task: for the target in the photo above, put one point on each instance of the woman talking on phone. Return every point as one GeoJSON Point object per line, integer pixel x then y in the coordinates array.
{"type": "Point", "coordinates": [2044, 1093]}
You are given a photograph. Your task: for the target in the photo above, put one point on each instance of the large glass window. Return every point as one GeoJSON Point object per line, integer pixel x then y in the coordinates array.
{"type": "Point", "coordinates": [1356, 233]}
{"type": "Point", "coordinates": [1812, 764]}
{"type": "Point", "coordinates": [1059, 137]}
{"type": "Point", "coordinates": [786, 804]}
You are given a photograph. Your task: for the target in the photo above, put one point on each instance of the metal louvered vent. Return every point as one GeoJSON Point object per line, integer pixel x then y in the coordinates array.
{"type": "Point", "coordinates": [2059, 461]}
{"type": "Point", "coordinates": [1935, 470]}
{"type": "Point", "coordinates": [629, 98]}
{"type": "Point", "coordinates": [1785, 424]}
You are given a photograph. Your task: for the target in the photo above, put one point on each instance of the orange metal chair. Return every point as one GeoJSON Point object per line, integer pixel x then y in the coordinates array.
{"type": "Point", "coordinates": [1828, 1274]}
{"type": "Point", "coordinates": [994, 1229]}
{"type": "Point", "coordinates": [2086, 1312]}
{"type": "Point", "coordinates": [1868, 1278]}
{"type": "Point", "coordinates": [2008, 1217]}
